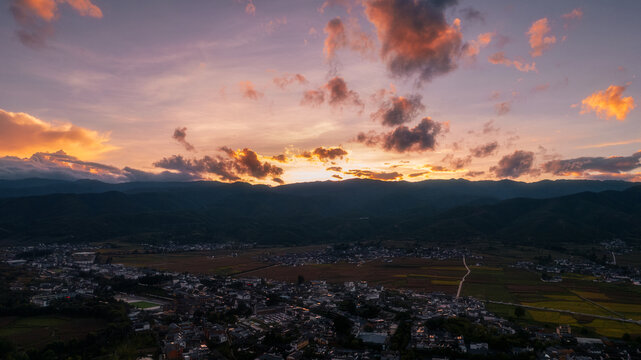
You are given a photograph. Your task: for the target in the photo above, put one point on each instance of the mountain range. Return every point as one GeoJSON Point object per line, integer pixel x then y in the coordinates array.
{"type": "Point", "coordinates": [43, 210]}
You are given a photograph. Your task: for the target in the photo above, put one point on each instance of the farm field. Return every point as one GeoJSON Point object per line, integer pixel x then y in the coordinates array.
{"type": "Point", "coordinates": [491, 279]}
{"type": "Point", "coordinates": [36, 331]}
{"type": "Point", "coordinates": [412, 273]}
{"type": "Point", "coordinates": [143, 304]}
{"type": "Point", "coordinates": [193, 262]}
{"type": "Point", "coordinates": [221, 262]}
{"type": "Point", "coordinates": [576, 293]}
{"type": "Point", "coordinates": [408, 273]}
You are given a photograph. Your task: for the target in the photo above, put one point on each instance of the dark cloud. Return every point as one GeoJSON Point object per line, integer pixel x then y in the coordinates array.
{"type": "Point", "coordinates": [489, 128]}
{"type": "Point", "coordinates": [60, 165]}
{"type": "Point", "coordinates": [233, 167]}
{"type": "Point", "coordinates": [415, 36]}
{"type": "Point", "coordinates": [474, 173]}
{"type": "Point", "coordinates": [139, 175]}
{"type": "Point", "coordinates": [34, 23]}
{"type": "Point", "coordinates": [485, 149]}
{"type": "Point", "coordinates": [399, 110]}
{"type": "Point", "coordinates": [288, 79]}
{"type": "Point", "coordinates": [471, 14]}
{"type": "Point", "coordinates": [218, 165]}
{"type": "Point", "coordinates": [246, 162]}
{"type": "Point", "coordinates": [324, 154]}
{"type": "Point", "coordinates": [368, 174]}
{"type": "Point", "coordinates": [278, 180]}
{"type": "Point", "coordinates": [35, 18]}
{"type": "Point", "coordinates": [515, 165]}
{"type": "Point", "coordinates": [438, 168]}
{"type": "Point", "coordinates": [336, 176]}
{"type": "Point", "coordinates": [457, 163]}
{"type": "Point", "coordinates": [180, 135]}
{"type": "Point", "coordinates": [336, 92]}
{"type": "Point", "coordinates": [577, 166]}
{"type": "Point", "coordinates": [334, 168]}
{"type": "Point", "coordinates": [403, 139]}
{"type": "Point", "coordinates": [282, 158]}
{"type": "Point", "coordinates": [340, 95]}
{"type": "Point", "coordinates": [418, 174]}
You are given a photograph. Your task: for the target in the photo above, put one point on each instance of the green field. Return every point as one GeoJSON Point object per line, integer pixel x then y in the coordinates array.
{"type": "Point", "coordinates": [576, 293]}
{"type": "Point", "coordinates": [37, 331]}
{"type": "Point", "coordinates": [143, 304]}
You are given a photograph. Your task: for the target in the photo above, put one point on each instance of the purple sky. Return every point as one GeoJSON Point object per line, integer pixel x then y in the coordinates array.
{"type": "Point", "coordinates": [288, 91]}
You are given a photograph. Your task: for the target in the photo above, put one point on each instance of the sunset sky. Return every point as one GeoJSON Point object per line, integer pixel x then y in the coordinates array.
{"type": "Point", "coordinates": [270, 91]}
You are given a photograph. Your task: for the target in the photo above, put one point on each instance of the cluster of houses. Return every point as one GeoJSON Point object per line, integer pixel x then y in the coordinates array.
{"type": "Point", "coordinates": [553, 272]}
{"type": "Point", "coordinates": [358, 254]}
{"type": "Point", "coordinates": [212, 317]}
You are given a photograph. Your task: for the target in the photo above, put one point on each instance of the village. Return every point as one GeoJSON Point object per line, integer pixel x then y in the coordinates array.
{"type": "Point", "coordinates": [216, 317]}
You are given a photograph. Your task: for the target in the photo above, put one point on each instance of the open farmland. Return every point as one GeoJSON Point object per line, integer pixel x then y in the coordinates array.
{"type": "Point", "coordinates": [576, 293]}
{"type": "Point", "coordinates": [491, 279]}
{"type": "Point", "coordinates": [215, 263]}
{"type": "Point", "coordinates": [409, 273]}
{"type": "Point", "coordinates": [38, 331]}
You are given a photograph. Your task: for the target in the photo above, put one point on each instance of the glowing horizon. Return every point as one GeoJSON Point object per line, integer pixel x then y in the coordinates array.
{"type": "Point", "coordinates": [276, 92]}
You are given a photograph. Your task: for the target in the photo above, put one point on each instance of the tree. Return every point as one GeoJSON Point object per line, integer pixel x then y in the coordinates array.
{"type": "Point", "coordinates": [519, 312]}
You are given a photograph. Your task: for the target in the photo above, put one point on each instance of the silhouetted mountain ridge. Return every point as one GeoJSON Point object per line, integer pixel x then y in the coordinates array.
{"type": "Point", "coordinates": [350, 210]}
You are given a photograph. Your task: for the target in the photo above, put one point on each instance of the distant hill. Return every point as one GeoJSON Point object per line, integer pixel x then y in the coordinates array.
{"type": "Point", "coordinates": [584, 217]}
{"type": "Point", "coordinates": [53, 210]}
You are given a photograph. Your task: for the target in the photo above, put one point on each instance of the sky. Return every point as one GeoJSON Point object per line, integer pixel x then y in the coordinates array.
{"type": "Point", "coordinates": [274, 91]}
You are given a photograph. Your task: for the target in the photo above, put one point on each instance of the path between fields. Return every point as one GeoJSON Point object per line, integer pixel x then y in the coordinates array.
{"type": "Point", "coordinates": [252, 270]}
{"type": "Point", "coordinates": [460, 285]}
{"type": "Point", "coordinates": [638, 322]}
{"type": "Point", "coordinates": [597, 305]}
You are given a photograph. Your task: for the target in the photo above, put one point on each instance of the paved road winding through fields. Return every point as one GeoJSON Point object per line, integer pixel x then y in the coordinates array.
{"type": "Point", "coordinates": [460, 285]}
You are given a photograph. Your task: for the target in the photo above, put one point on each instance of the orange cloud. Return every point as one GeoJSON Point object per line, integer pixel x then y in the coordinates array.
{"type": "Point", "coordinates": [22, 135]}
{"type": "Point", "coordinates": [474, 46]}
{"type": "Point", "coordinates": [249, 91]}
{"type": "Point", "coordinates": [47, 10]}
{"type": "Point", "coordinates": [34, 17]}
{"type": "Point", "coordinates": [576, 14]}
{"type": "Point", "coordinates": [287, 79]}
{"type": "Point", "coordinates": [336, 37]}
{"type": "Point", "coordinates": [609, 103]}
{"type": "Point", "coordinates": [341, 36]}
{"type": "Point", "coordinates": [368, 174]}
{"type": "Point", "coordinates": [250, 8]}
{"type": "Point", "coordinates": [500, 58]}
{"type": "Point", "coordinates": [539, 42]}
